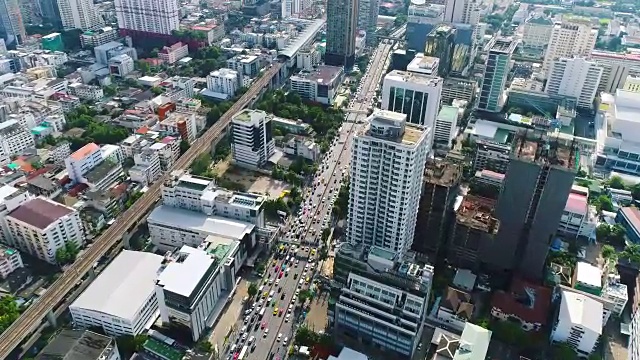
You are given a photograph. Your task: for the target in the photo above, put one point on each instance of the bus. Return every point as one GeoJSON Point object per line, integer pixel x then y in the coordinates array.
{"type": "Point", "coordinates": [262, 312]}
{"type": "Point", "coordinates": [243, 352]}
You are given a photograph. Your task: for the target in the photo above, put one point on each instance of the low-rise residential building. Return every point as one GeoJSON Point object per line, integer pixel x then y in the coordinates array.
{"type": "Point", "coordinates": [578, 219]}
{"type": "Point", "coordinates": [104, 175]}
{"type": "Point", "coordinates": [212, 32]}
{"type": "Point", "coordinates": [252, 141]}
{"type": "Point", "coordinates": [42, 185]}
{"type": "Point", "coordinates": [82, 161]}
{"type": "Point", "coordinates": [578, 322]}
{"type": "Point", "coordinates": [615, 292]}
{"type": "Point", "coordinates": [87, 92]}
{"type": "Point", "coordinates": [80, 344]}
{"type": "Point", "coordinates": [223, 83]}
{"type": "Point", "coordinates": [320, 84]}
{"type": "Point", "coordinates": [118, 303]}
{"type": "Point", "coordinates": [301, 146]}
{"type": "Point", "coordinates": [147, 167]}
{"type": "Point", "coordinates": [456, 308]}
{"type": "Point", "coordinates": [41, 226]}
{"type": "Point", "coordinates": [10, 260]}
{"type": "Point", "coordinates": [180, 124]}
{"type": "Point", "coordinates": [526, 303]}
{"type": "Point", "coordinates": [173, 53]}
{"type": "Point", "coordinates": [248, 65]}
{"type": "Point", "coordinates": [193, 283]}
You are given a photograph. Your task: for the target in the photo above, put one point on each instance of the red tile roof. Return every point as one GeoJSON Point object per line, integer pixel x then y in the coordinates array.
{"type": "Point", "coordinates": [525, 301]}
{"type": "Point", "coordinates": [85, 151]}
{"type": "Point", "coordinates": [74, 191]}
{"type": "Point", "coordinates": [40, 212]}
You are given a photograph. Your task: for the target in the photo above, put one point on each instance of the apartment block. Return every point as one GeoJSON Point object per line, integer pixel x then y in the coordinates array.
{"type": "Point", "coordinates": [82, 161]}
{"type": "Point", "coordinates": [319, 85]}
{"type": "Point", "coordinates": [79, 14]}
{"type": "Point", "coordinates": [10, 260]}
{"type": "Point", "coordinates": [41, 226]}
{"type": "Point", "coordinates": [97, 37]}
{"type": "Point", "coordinates": [180, 124]}
{"type": "Point", "coordinates": [342, 22]}
{"type": "Point", "coordinates": [14, 139]}
{"type": "Point", "coordinates": [223, 83]}
{"type": "Point", "coordinates": [105, 52]}
{"type": "Point", "coordinates": [537, 32]}
{"type": "Point", "coordinates": [616, 68]}
{"type": "Point", "coordinates": [247, 65]}
{"type": "Point", "coordinates": [578, 322]}
{"type": "Point", "coordinates": [578, 218]}
{"type": "Point", "coordinates": [121, 65]}
{"type": "Point", "coordinates": [147, 167]}
{"type": "Point", "coordinates": [161, 17]}
{"type": "Point", "coordinates": [574, 78]}
{"type": "Point", "coordinates": [446, 126]}
{"type": "Point", "coordinates": [173, 53]}
{"type": "Point", "coordinates": [569, 38]}
{"type": "Point", "coordinates": [387, 164]}
{"type": "Point", "coordinates": [86, 92]}
{"type": "Point", "coordinates": [251, 138]}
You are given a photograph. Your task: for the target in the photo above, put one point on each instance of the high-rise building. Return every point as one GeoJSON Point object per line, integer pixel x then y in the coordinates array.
{"type": "Point", "coordinates": [533, 197]}
{"type": "Point", "coordinates": [421, 19]}
{"type": "Point", "coordinates": [617, 67]}
{"type": "Point", "coordinates": [79, 14]}
{"type": "Point", "coordinates": [572, 37]}
{"type": "Point", "coordinates": [576, 78]}
{"type": "Point", "coordinates": [416, 95]}
{"type": "Point", "coordinates": [439, 192]}
{"type": "Point", "coordinates": [464, 50]}
{"type": "Point", "coordinates": [461, 12]}
{"type": "Point", "coordinates": [342, 20]}
{"type": "Point", "coordinates": [368, 18]}
{"type": "Point", "coordinates": [440, 43]}
{"type": "Point", "coordinates": [251, 138]}
{"type": "Point", "coordinates": [495, 74]}
{"type": "Point", "coordinates": [160, 17]}
{"type": "Point", "coordinates": [537, 32]}
{"type": "Point", "coordinates": [11, 24]}
{"type": "Point", "coordinates": [290, 8]}
{"type": "Point", "coordinates": [387, 162]}
{"type": "Point", "coordinates": [50, 12]}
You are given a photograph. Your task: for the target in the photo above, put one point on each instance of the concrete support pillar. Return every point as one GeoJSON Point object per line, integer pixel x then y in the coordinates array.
{"type": "Point", "coordinates": [52, 319]}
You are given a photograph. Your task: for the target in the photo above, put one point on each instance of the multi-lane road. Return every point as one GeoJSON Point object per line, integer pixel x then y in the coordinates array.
{"type": "Point", "coordinates": [32, 317]}
{"type": "Point", "coordinates": [304, 230]}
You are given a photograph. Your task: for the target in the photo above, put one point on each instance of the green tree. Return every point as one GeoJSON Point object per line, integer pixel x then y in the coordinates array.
{"type": "Point", "coordinates": [204, 346]}
{"type": "Point", "coordinates": [617, 236]}
{"type": "Point", "coordinates": [252, 290]}
{"type": "Point", "coordinates": [184, 146]}
{"type": "Point", "coordinates": [608, 252]}
{"type": "Point", "coordinates": [61, 256]}
{"type": "Point", "coordinates": [130, 344]}
{"type": "Point", "coordinates": [9, 311]}
{"type": "Point", "coordinates": [157, 90]}
{"type": "Point", "coordinates": [616, 182]}
{"type": "Point", "coordinates": [563, 351]}
{"type": "Point", "coordinates": [602, 233]}
{"type": "Point", "coordinates": [635, 191]}
{"type": "Point", "coordinates": [306, 337]}
{"type": "Point", "coordinates": [324, 236]}
{"type": "Point", "coordinates": [213, 116]}
{"type": "Point", "coordinates": [201, 164]}
{"type": "Point", "coordinates": [603, 203]}
{"type": "Point", "coordinates": [631, 253]}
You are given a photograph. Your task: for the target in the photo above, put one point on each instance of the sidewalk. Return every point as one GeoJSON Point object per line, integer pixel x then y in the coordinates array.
{"type": "Point", "coordinates": [229, 318]}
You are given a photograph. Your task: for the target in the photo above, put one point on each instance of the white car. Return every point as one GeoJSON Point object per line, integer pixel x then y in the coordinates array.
{"type": "Point", "coordinates": [284, 342]}
{"type": "Point", "coordinates": [286, 318]}
{"type": "Point", "coordinates": [266, 332]}
{"type": "Point", "coordinates": [279, 337]}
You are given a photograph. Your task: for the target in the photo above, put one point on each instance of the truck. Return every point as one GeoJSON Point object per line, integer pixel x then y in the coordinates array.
{"type": "Point", "coordinates": [243, 352]}
{"type": "Point", "coordinates": [262, 312]}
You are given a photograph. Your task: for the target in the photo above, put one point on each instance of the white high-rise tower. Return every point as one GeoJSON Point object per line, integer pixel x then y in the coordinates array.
{"type": "Point", "coordinates": [387, 163]}
{"type": "Point", "coordinates": [157, 16]}
{"type": "Point", "coordinates": [79, 14]}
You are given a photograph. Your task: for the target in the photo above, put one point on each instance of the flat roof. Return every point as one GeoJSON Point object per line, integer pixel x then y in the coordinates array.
{"type": "Point", "coordinates": [588, 274]}
{"type": "Point", "coordinates": [322, 74]}
{"type": "Point", "coordinates": [182, 277]}
{"type": "Point", "coordinates": [581, 309]}
{"type": "Point", "coordinates": [75, 345]}
{"type": "Point", "coordinates": [40, 212]}
{"type": "Point", "coordinates": [474, 343]}
{"type": "Point", "coordinates": [124, 286]}
{"type": "Point", "coordinates": [449, 113]}
{"type": "Point", "coordinates": [213, 225]}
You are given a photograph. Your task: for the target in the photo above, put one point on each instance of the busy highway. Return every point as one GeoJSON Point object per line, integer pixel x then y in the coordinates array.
{"type": "Point", "coordinates": [268, 325]}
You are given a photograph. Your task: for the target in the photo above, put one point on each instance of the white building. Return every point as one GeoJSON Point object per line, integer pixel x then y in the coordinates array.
{"type": "Point", "coordinates": [160, 17]}
{"type": "Point", "coordinates": [117, 302]}
{"type": "Point", "coordinates": [86, 92]}
{"type": "Point", "coordinates": [190, 287]}
{"type": "Point", "coordinates": [248, 65]}
{"type": "Point", "coordinates": [223, 82]}
{"type": "Point", "coordinates": [147, 167]}
{"type": "Point", "coordinates": [632, 83]}
{"type": "Point", "coordinates": [79, 14]}
{"type": "Point", "coordinates": [617, 126]}
{"type": "Point", "coordinates": [320, 84]}
{"type": "Point", "coordinates": [461, 12]}
{"type": "Point", "coordinates": [121, 65]}
{"type": "Point", "coordinates": [416, 95]}
{"type": "Point", "coordinates": [97, 37]}
{"type": "Point", "coordinates": [10, 260]}
{"type": "Point", "coordinates": [569, 39]}
{"type": "Point", "coordinates": [615, 292]}
{"type": "Point", "coordinates": [387, 164]}
{"type": "Point", "coordinates": [10, 199]}
{"type": "Point", "coordinates": [446, 125]}
{"type": "Point", "coordinates": [422, 64]}
{"type": "Point", "coordinates": [537, 32]}
{"type": "Point", "coordinates": [578, 218]}
{"type": "Point", "coordinates": [617, 67]}
{"type": "Point", "coordinates": [368, 18]}
{"type": "Point", "coordinates": [41, 226]}
{"type": "Point", "coordinates": [173, 53]}
{"type": "Point", "coordinates": [14, 139]}
{"type": "Point", "coordinates": [82, 161]}
{"type": "Point", "coordinates": [576, 78]}
{"type": "Point", "coordinates": [251, 138]}
{"type": "Point", "coordinates": [578, 323]}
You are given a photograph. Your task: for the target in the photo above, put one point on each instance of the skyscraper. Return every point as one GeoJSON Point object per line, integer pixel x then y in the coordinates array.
{"type": "Point", "coordinates": [50, 12]}
{"type": "Point", "coordinates": [342, 20]}
{"type": "Point", "coordinates": [79, 14]}
{"type": "Point", "coordinates": [421, 19]}
{"type": "Point", "coordinates": [495, 74]}
{"type": "Point", "coordinates": [387, 163]}
{"type": "Point", "coordinates": [416, 95]}
{"type": "Point", "coordinates": [533, 197]}
{"type": "Point", "coordinates": [368, 18]}
{"type": "Point", "coordinates": [158, 16]}
{"type": "Point", "coordinates": [577, 78]}
{"type": "Point", "coordinates": [461, 12]}
{"type": "Point", "coordinates": [440, 44]}
{"type": "Point", "coordinates": [11, 25]}
{"type": "Point", "coordinates": [572, 37]}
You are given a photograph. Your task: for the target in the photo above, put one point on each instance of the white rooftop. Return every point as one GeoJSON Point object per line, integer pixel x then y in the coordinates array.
{"type": "Point", "coordinates": [182, 277]}
{"type": "Point", "coordinates": [6, 191]}
{"type": "Point", "coordinates": [581, 309]}
{"type": "Point", "coordinates": [588, 274]}
{"type": "Point", "coordinates": [124, 286]}
{"type": "Point", "coordinates": [195, 221]}
{"type": "Point", "coordinates": [349, 354]}
{"type": "Point", "coordinates": [474, 343]}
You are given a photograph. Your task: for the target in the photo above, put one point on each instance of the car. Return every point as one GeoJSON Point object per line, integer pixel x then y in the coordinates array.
{"type": "Point", "coordinates": [282, 296]}
{"type": "Point", "coordinates": [284, 342]}
{"type": "Point", "coordinates": [277, 282]}
{"type": "Point", "coordinates": [275, 311]}
{"type": "Point", "coordinates": [244, 336]}
{"type": "Point", "coordinates": [262, 326]}
{"type": "Point", "coordinates": [266, 332]}
{"type": "Point", "coordinates": [279, 337]}
{"type": "Point", "coordinates": [297, 291]}
{"type": "Point", "coordinates": [252, 339]}
{"type": "Point", "coordinates": [269, 299]}
{"type": "Point", "coordinates": [286, 318]}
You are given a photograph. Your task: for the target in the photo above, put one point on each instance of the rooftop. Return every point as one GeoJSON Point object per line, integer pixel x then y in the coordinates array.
{"type": "Point", "coordinates": [581, 310]}
{"type": "Point", "coordinates": [477, 213]}
{"type": "Point", "coordinates": [182, 275]}
{"type": "Point", "coordinates": [577, 203]}
{"type": "Point", "coordinates": [442, 173]}
{"type": "Point", "coordinates": [449, 113]}
{"type": "Point", "coordinates": [588, 274]}
{"type": "Point", "coordinates": [322, 74]}
{"type": "Point", "coordinates": [474, 343]}
{"type": "Point", "coordinates": [101, 171]}
{"type": "Point", "coordinates": [195, 221]}
{"type": "Point", "coordinates": [163, 350]}
{"type": "Point", "coordinates": [85, 151]}
{"type": "Point", "coordinates": [534, 146]}
{"type": "Point", "coordinates": [40, 212]}
{"type": "Point", "coordinates": [503, 45]}
{"type": "Point", "coordinates": [391, 126]}
{"type": "Point", "coordinates": [416, 78]}
{"type": "Point", "coordinates": [525, 301]}
{"type": "Point", "coordinates": [311, 28]}
{"type": "Point", "coordinates": [77, 345]}
{"type": "Point", "coordinates": [116, 292]}
{"type": "Point", "coordinates": [249, 115]}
